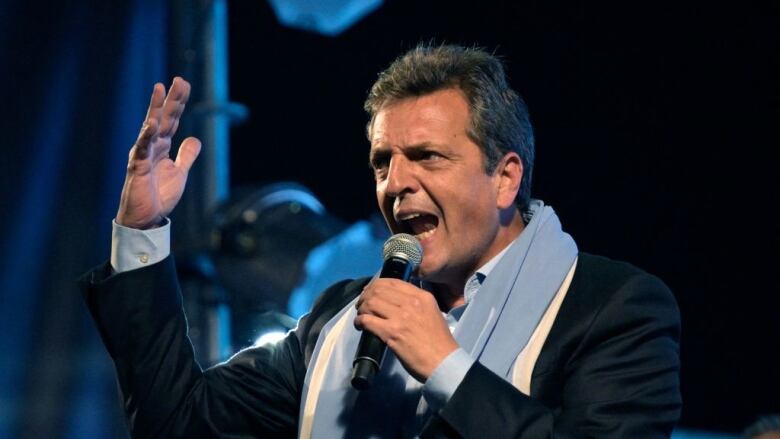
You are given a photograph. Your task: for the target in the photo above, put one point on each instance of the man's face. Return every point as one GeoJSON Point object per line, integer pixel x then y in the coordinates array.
{"type": "Point", "coordinates": [431, 183]}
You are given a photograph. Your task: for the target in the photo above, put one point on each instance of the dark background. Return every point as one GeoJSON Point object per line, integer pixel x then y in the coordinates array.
{"type": "Point", "coordinates": [655, 135]}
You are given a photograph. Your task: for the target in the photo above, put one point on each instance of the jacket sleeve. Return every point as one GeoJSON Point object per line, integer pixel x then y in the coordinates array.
{"type": "Point", "coordinates": [621, 379]}
{"type": "Point", "coordinates": [140, 318]}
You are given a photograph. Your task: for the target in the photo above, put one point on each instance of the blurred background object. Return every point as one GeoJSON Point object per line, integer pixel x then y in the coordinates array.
{"type": "Point", "coordinates": [327, 17]}
{"type": "Point", "coordinates": [275, 249]}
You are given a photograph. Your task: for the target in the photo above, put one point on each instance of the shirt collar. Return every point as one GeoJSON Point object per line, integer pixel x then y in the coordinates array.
{"type": "Point", "coordinates": [476, 279]}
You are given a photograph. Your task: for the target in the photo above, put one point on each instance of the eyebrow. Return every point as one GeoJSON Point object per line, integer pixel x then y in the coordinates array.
{"type": "Point", "coordinates": [382, 152]}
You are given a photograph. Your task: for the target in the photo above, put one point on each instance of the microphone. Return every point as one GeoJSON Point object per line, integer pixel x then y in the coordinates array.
{"type": "Point", "coordinates": [402, 253]}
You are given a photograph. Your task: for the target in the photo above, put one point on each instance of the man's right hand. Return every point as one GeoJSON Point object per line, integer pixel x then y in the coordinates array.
{"type": "Point", "coordinates": [154, 183]}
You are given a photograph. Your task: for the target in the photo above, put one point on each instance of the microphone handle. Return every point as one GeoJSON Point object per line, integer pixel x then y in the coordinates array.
{"type": "Point", "coordinates": [371, 349]}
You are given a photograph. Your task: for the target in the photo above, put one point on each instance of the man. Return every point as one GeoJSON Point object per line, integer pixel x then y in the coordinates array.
{"type": "Point", "coordinates": [509, 331]}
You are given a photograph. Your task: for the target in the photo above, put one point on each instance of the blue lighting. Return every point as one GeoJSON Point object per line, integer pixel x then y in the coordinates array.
{"type": "Point", "coordinates": [701, 434]}
{"type": "Point", "coordinates": [327, 17]}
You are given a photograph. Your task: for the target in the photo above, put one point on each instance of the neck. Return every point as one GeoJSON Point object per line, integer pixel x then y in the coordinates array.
{"type": "Point", "coordinates": [448, 298]}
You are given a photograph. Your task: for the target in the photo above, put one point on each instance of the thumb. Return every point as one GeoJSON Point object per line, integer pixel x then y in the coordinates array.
{"type": "Point", "coordinates": [188, 152]}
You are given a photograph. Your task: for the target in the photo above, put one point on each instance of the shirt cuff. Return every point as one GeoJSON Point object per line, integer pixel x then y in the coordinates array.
{"type": "Point", "coordinates": [134, 248]}
{"type": "Point", "coordinates": [445, 379]}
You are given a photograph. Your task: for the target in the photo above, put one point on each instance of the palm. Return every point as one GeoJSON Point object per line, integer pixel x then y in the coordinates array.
{"type": "Point", "coordinates": [170, 184]}
{"type": "Point", "coordinates": [155, 183]}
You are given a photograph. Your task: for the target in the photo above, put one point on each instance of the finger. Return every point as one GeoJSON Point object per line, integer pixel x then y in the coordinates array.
{"type": "Point", "coordinates": [156, 103]}
{"type": "Point", "coordinates": [362, 296]}
{"type": "Point", "coordinates": [188, 152]}
{"type": "Point", "coordinates": [170, 119]}
{"type": "Point", "coordinates": [373, 324]}
{"type": "Point", "coordinates": [397, 293]}
{"type": "Point", "coordinates": [379, 307]}
{"type": "Point", "coordinates": [174, 106]}
{"type": "Point", "coordinates": [140, 150]}
{"type": "Point", "coordinates": [175, 126]}
{"type": "Point", "coordinates": [395, 285]}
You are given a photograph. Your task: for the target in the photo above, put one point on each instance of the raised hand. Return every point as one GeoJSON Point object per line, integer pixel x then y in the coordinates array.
{"type": "Point", "coordinates": [154, 183]}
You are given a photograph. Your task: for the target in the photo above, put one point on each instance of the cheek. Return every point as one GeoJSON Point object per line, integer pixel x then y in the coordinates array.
{"type": "Point", "coordinates": [475, 207]}
{"type": "Point", "coordinates": [381, 198]}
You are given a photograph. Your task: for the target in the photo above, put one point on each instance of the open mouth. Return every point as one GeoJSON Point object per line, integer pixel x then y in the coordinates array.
{"type": "Point", "coordinates": [420, 225]}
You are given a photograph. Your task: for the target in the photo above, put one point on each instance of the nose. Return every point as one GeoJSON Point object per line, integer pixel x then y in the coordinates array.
{"type": "Point", "coordinates": [401, 178]}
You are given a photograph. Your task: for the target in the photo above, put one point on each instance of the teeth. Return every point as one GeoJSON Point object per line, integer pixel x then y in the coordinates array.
{"type": "Point", "coordinates": [410, 216]}
{"type": "Point", "coordinates": [426, 233]}
{"type": "Point", "coordinates": [429, 227]}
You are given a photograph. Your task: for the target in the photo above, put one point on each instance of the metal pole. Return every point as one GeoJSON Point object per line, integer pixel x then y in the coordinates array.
{"type": "Point", "coordinates": [199, 39]}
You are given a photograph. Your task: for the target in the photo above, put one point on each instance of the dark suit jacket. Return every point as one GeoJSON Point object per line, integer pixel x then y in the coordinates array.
{"type": "Point", "coordinates": [608, 369]}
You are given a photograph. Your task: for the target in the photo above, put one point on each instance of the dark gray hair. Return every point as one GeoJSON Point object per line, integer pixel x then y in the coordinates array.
{"type": "Point", "coordinates": [764, 424]}
{"type": "Point", "coordinates": [499, 116]}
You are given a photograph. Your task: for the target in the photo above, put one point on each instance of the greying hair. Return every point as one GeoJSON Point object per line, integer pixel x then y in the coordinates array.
{"type": "Point", "coordinates": [764, 424]}
{"type": "Point", "coordinates": [499, 116]}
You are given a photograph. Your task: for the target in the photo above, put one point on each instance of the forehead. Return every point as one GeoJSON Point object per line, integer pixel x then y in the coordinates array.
{"type": "Point", "coordinates": [437, 117]}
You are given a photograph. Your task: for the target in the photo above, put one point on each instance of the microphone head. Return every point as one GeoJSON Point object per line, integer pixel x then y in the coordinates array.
{"type": "Point", "coordinates": [404, 246]}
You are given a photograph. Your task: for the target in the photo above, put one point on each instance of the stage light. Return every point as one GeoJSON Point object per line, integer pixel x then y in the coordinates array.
{"type": "Point", "coordinates": [327, 17]}
{"type": "Point", "coordinates": [275, 248]}
{"type": "Point", "coordinates": [259, 240]}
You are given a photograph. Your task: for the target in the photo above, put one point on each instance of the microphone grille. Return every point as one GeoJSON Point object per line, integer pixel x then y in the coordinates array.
{"type": "Point", "coordinates": [405, 246]}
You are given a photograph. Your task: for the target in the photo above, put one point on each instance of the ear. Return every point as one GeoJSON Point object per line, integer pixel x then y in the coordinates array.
{"type": "Point", "coordinates": [508, 176]}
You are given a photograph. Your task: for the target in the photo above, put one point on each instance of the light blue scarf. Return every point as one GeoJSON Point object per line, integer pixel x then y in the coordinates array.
{"type": "Point", "coordinates": [494, 328]}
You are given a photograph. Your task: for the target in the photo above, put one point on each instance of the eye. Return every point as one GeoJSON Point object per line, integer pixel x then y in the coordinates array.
{"type": "Point", "coordinates": [426, 155]}
{"type": "Point", "coordinates": [379, 164]}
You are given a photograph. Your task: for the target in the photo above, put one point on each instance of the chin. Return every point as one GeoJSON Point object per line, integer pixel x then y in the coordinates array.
{"type": "Point", "coordinates": [423, 273]}
{"type": "Point", "coordinates": [430, 274]}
